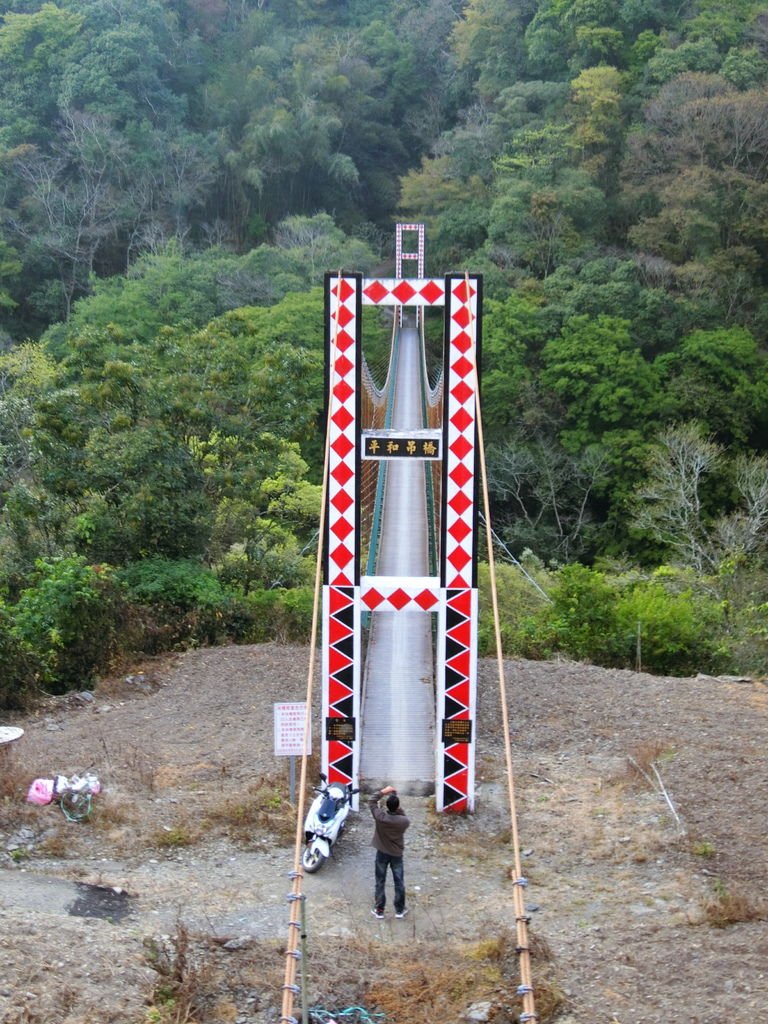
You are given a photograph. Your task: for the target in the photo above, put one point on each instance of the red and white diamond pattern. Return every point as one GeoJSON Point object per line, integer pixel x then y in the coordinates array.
{"type": "Point", "coordinates": [391, 593]}
{"type": "Point", "coordinates": [454, 596]}
{"type": "Point", "coordinates": [412, 291]}
{"type": "Point", "coordinates": [342, 410]}
{"type": "Point", "coordinates": [459, 466]}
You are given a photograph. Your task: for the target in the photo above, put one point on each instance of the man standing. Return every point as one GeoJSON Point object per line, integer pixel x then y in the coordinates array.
{"type": "Point", "coordinates": [389, 841]}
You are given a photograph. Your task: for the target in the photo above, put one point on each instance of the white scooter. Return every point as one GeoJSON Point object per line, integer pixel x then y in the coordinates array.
{"type": "Point", "coordinates": [325, 821]}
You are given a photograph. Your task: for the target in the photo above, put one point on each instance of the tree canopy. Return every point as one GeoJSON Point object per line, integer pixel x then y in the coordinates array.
{"type": "Point", "coordinates": [177, 175]}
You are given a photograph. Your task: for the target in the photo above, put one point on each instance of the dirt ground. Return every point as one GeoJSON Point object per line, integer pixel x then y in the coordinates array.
{"type": "Point", "coordinates": [642, 821]}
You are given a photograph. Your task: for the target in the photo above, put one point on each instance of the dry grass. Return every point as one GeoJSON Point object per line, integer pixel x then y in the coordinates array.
{"type": "Point", "coordinates": [182, 833]}
{"type": "Point", "coordinates": [643, 756]}
{"type": "Point", "coordinates": [199, 981]}
{"type": "Point", "coordinates": [637, 769]}
{"type": "Point", "coordinates": [14, 774]}
{"type": "Point", "coordinates": [259, 811]}
{"type": "Point", "coordinates": [57, 845]}
{"type": "Point", "coordinates": [15, 813]}
{"type": "Point", "coordinates": [140, 765]}
{"type": "Point", "coordinates": [29, 1012]}
{"type": "Point", "coordinates": [701, 847]}
{"type": "Point", "coordinates": [15, 779]}
{"type": "Point", "coordinates": [179, 982]}
{"type": "Point", "coordinates": [458, 835]}
{"type": "Point", "coordinates": [726, 907]}
{"type": "Point", "coordinates": [112, 819]}
{"type": "Point", "coordinates": [443, 984]}
{"type": "Point", "coordinates": [112, 811]}
{"type": "Point", "coordinates": [11, 784]}
{"type": "Point", "coordinates": [133, 679]}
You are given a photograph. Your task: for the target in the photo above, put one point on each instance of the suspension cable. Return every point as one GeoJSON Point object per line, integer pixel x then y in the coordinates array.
{"type": "Point", "coordinates": [521, 920]}
{"type": "Point", "coordinates": [296, 896]}
{"type": "Point", "coordinates": [516, 562]}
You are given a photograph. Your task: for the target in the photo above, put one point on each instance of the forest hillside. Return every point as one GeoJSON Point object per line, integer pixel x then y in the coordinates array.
{"type": "Point", "coordinates": [177, 175]}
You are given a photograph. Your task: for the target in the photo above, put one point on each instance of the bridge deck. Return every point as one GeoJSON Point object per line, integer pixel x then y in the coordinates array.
{"type": "Point", "coordinates": [397, 744]}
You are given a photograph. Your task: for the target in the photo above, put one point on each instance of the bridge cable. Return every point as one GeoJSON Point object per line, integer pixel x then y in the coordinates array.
{"type": "Point", "coordinates": [519, 565]}
{"type": "Point", "coordinates": [296, 897]}
{"type": "Point", "coordinates": [521, 919]}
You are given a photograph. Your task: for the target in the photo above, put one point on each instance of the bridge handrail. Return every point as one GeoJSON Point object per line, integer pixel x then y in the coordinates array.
{"type": "Point", "coordinates": [373, 544]}
{"type": "Point", "coordinates": [427, 399]}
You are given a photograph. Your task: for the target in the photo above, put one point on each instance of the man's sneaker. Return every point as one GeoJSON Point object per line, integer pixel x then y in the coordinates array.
{"type": "Point", "coordinates": [379, 914]}
{"type": "Point", "coordinates": [402, 913]}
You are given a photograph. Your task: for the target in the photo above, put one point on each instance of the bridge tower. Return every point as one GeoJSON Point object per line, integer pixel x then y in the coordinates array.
{"type": "Point", "coordinates": [450, 447]}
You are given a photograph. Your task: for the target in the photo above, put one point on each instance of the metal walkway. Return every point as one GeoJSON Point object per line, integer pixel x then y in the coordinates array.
{"type": "Point", "coordinates": [398, 712]}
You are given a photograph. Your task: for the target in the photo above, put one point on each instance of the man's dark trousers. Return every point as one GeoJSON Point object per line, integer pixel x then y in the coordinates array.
{"type": "Point", "coordinates": [383, 861]}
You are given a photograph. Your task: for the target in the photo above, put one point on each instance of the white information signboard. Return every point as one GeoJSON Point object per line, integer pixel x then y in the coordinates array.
{"type": "Point", "coordinates": [289, 730]}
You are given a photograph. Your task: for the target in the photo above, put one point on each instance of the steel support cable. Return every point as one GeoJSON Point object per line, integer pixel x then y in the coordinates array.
{"type": "Point", "coordinates": [521, 920]}
{"type": "Point", "coordinates": [382, 367]}
{"type": "Point", "coordinates": [373, 549]}
{"type": "Point", "coordinates": [429, 482]}
{"type": "Point", "coordinates": [295, 897]}
{"type": "Point", "coordinates": [517, 563]}
{"type": "Point", "coordinates": [373, 402]}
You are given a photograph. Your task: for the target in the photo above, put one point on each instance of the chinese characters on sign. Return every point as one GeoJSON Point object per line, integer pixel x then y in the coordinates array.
{"type": "Point", "coordinates": [457, 730]}
{"type": "Point", "coordinates": [401, 446]}
{"type": "Point", "coordinates": [289, 730]}
{"type": "Point", "coordinates": [342, 729]}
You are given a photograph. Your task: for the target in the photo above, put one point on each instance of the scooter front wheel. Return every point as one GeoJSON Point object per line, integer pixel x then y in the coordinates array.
{"type": "Point", "coordinates": [312, 859]}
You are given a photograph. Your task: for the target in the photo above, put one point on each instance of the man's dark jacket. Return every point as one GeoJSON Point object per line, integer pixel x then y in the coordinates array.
{"type": "Point", "coordinates": [389, 834]}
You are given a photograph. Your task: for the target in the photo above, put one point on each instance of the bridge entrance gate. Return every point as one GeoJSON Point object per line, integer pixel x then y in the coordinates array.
{"type": "Point", "coordinates": [367, 448]}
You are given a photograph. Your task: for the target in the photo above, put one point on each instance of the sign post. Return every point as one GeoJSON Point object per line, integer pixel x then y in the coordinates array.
{"type": "Point", "coordinates": [291, 726]}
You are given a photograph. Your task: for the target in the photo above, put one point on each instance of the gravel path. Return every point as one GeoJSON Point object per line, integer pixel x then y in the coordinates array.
{"type": "Point", "coordinates": [622, 891]}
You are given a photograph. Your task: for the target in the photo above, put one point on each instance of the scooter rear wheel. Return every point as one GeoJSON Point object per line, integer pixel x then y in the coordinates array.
{"type": "Point", "coordinates": [312, 860]}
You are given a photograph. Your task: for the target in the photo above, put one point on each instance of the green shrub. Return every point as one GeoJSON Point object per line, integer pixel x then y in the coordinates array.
{"type": "Point", "coordinates": [21, 668]}
{"type": "Point", "coordinates": [523, 633]}
{"type": "Point", "coordinates": [178, 604]}
{"type": "Point", "coordinates": [175, 604]}
{"type": "Point", "coordinates": [184, 584]}
{"type": "Point", "coordinates": [280, 565]}
{"type": "Point", "coordinates": [582, 621]}
{"type": "Point", "coordinates": [596, 617]}
{"type": "Point", "coordinates": [71, 616]}
{"type": "Point", "coordinates": [158, 628]}
{"type": "Point", "coordinates": [284, 616]}
{"type": "Point", "coordinates": [669, 633]}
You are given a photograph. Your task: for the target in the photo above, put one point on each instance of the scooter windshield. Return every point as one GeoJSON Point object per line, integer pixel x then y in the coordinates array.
{"type": "Point", "coordinates": [327, 808]}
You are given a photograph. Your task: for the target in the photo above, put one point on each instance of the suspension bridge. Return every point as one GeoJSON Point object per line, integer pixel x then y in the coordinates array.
{"type": "Point", "coordinates": [402, 467]}
{"type": "Point", "coordinates": [400, 594]}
